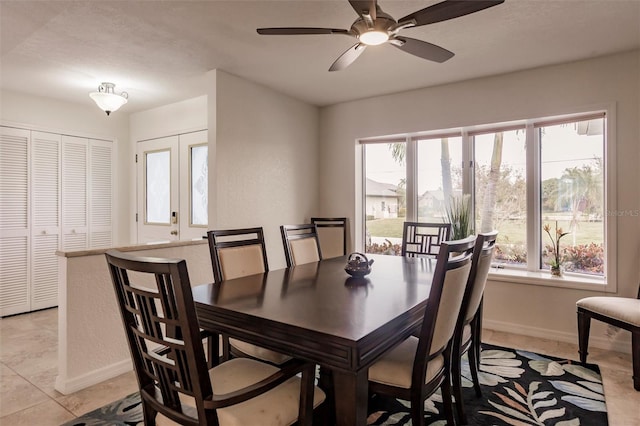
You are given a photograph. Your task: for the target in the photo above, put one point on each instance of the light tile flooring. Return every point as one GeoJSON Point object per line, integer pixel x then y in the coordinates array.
{"type": "Point", "coordinates": [28, 367]}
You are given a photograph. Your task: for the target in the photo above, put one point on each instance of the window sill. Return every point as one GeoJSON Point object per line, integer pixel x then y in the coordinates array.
{"type": "Point", "coordinates": [569, 280]}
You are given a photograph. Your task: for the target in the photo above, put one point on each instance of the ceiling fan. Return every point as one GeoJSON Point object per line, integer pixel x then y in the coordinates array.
{"type": "Point", "coordinates": [374, 27]}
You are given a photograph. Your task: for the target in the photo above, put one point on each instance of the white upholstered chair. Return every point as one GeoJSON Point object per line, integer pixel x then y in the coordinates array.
{"type": "Point", "coordinates": [468, 332]}
{"type": "Point", "coordinates": [173, 377]}
{"type": "Point", "coordinates": [623, 312]}
{"type": "Point", "coordinates": [239, 253]}
{"type": "Point", "coordinates": [301, 244]}
{"type": "Point", "coordinates": [417, 367]}
{"type": "Point", "coordinates": [332, 233]}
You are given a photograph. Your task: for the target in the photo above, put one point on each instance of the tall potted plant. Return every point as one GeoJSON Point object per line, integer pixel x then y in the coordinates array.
{"type": "Point", "coordinates": [459, 215]}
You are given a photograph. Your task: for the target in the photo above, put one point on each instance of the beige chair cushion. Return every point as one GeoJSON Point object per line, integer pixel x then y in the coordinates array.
{"type": "Point", "coordinates": [304, 250]}
{"type": "Point", "coordinates": [241, 261]}
{"type": "Point", "coordinates": [278, 407]}
{"type": "Point", "coordinates": [466, 334]}
{"type": "Point", "coordinates": [331, 241]}
{"type": "Point", "coordinates": [452, 293]}
{"type": "Point", "coordinates": [395, 368]}
{"type": "Point", "coordinates": [482, 272]}
{"type": "Point", "coordinates": [621, 308]}
{"type": "Point", "coordinates": [258, 352]}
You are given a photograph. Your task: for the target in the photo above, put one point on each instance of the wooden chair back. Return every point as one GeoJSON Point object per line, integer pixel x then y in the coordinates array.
{"type": "Point", "coordinates": [421, 239]}
{"type": "Point", "coordinates": [237, 252]}
{"type": "Point", "coordinates": [332, 233]}
{"type": "Point", "coordinates": [301, 244]}
{"type": "Point", "coordinates": [163, 334]}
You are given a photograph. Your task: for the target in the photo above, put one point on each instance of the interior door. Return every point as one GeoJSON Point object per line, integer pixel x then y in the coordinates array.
{"type": "Point", "coordinates": [158, 190]}
{"type": "Point", "coordinates": [173, 188]}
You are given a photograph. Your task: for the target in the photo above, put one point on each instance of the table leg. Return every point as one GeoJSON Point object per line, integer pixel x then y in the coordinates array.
{"type": "Point", "coordinates": [351, 391]}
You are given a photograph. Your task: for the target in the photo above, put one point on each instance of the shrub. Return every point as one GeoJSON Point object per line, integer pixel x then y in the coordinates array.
{"type": "Point", "coordinates": [585, 258]}
{"type": "Point", "coordinates": [385, 248]}
{"type": "Point", "coordinates": [510, 253]}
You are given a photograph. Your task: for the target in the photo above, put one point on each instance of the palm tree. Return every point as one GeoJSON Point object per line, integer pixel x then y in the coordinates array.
{"type": "Point", "coordinates": [489, 201]}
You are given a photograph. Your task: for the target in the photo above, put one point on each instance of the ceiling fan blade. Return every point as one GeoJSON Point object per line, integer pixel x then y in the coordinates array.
{"type": "Point", "coordinates": [448, 10]}
{"type": "Point", "coordinates": [422, 49]}
{"type": "Point", "coordinates": [348, 57]}
{"type": "Point", "coordinates": [365, 6]}
{"type": "Point", "coordinates": [300, 31]}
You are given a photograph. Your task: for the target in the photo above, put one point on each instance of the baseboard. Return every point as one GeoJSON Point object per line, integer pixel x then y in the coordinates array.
{"type": "Point", "coordinates": [613, 344]}
{"type": "Point", "coordinates": [67, 386]}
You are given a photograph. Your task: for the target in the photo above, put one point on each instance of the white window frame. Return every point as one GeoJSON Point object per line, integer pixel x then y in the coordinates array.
{"type": "Point", "coordinates": [531, 274]}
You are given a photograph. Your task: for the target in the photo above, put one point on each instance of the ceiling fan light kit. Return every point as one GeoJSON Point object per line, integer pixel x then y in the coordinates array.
{"type": "Point", "coordinates": [374, 27]}
{"type": "Point", "coordinates": [373, 38]}
{"type": "Point", "coordinates": [106, 98]}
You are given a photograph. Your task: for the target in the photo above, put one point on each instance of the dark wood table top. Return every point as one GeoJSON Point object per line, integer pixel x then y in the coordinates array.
{"type": "Point", "coordinates": [317, 311]}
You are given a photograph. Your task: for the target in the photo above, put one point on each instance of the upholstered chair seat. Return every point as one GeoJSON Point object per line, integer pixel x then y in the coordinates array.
{"type": "Point", "coordinates": [622, 312]}
{"type": "Point", "coordinates": [259, 352]}
{"type": "Point", "coordinates": [276, 407]}
{"type": "Point", "coordinates": [396, 367]}
{"type": "Point", "coordinates": [620, 308]}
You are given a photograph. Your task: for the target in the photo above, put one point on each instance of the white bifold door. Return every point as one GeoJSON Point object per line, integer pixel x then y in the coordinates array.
{"type": "Point", "coordinates": [172, 188]}
{"type": "Point", "coordinates": [55, 194]}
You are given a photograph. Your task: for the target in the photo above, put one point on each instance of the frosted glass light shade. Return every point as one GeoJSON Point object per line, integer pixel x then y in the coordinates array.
{"type": "Point", "coordinates": [373, 38]}
{"type": "Point", "coordinates": [107, 100]}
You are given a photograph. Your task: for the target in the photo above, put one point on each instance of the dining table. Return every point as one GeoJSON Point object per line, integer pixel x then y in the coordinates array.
{"type": "Point", "coordinates": [318, 312]}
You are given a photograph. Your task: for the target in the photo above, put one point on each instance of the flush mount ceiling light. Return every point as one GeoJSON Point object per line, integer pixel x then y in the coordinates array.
{"type": "Point", "coordinates": [107, 100]}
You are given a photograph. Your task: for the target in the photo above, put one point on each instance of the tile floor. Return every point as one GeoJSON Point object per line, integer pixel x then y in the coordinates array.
{"type": "Point", "coordinates": [28, 363]}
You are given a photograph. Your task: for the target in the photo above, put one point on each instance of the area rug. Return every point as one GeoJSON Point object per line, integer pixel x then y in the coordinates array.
{"type": "Point", "coordinates": [518, 388]}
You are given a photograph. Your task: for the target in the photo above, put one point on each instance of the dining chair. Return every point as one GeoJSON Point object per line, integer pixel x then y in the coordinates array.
{"type": "Point", "coordinates": [416, 368]}
{"type": "Point", "coordinates": [622, 312]}
{"type": "Point", "coordinates": [467, 336]}
{"type": "Point", "coordinates": [301, 244]}
{"type": "Point", "coordinates": [239, 253]}
{"type": "Point", "coordinates": [159, 318]}
{"type": "Point", "coordinates": [421, 239]}
{"type": "Point", "coordinates": [332, 233]}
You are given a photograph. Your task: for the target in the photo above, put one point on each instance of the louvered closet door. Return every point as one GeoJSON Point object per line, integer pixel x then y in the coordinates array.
{"type": "Point", "coordinates": [45, 229]}
{"type": "Point", "coordinates": [75, 168]}
{"type": "Point", "coordinates": [101, 194]}
{"type": "Point", "coordinates": [14, 223]}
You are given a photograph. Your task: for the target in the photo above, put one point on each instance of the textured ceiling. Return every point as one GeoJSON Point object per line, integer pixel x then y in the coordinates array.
{"type": "Point", "coordinates": [159, 51]}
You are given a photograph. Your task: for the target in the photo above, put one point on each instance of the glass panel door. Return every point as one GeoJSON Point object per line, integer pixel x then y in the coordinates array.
{"type": "Point", "coordinates": [158, 190]}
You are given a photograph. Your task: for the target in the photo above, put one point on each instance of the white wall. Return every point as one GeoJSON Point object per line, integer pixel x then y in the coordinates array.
{"type": "Point", "coordinates": [46, 114]}
{"type": "Point", "coordinates": [265, 159]}
{"type": "Point", "coordinates": [91, 343]}
{"type": "Point", "coordinates": [546, 91]}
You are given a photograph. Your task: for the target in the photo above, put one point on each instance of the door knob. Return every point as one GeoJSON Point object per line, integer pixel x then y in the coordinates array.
{"type": "Point", "coordinates": [174, 232]}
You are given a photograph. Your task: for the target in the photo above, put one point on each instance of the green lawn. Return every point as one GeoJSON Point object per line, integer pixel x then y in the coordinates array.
{"type": "Point", "coordinates": [512, 232]}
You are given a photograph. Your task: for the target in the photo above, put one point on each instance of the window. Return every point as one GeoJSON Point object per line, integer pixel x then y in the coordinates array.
{"type": "Point", "coordinates": [521, 178]}
{"type": "Point", "coordinates": [501, 192]}
{"type": "Point", "coordinates": [384, 204]}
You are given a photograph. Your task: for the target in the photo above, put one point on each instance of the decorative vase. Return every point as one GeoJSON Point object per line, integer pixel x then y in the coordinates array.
{"type": "Point", "coordinates": [556, 271]}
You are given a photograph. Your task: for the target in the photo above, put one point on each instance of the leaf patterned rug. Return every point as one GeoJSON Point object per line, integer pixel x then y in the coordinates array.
{"type": "Point", "coordinates": [518, 388]}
